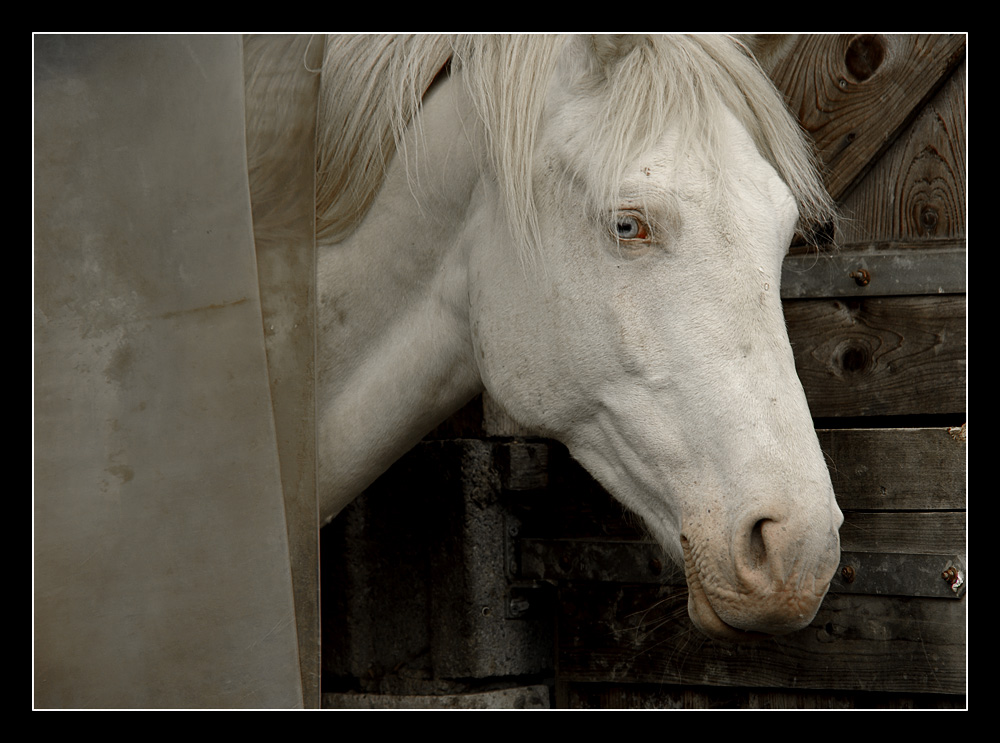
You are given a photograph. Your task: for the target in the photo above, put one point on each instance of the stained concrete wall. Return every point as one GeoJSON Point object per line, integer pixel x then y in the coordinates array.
{"type": "Point", "coordinates": [160, 553]}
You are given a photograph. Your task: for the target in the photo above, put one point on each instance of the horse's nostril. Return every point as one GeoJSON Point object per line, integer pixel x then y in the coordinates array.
{"type": "Point", "coordinates": [758, 550]}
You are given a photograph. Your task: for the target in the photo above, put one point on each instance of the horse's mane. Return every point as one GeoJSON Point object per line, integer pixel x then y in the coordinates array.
{"type": "Point", "coordinates": [372, 88]}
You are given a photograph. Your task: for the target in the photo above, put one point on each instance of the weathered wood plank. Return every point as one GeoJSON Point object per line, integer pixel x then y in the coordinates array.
{"type": "Point", "coordinates": [936, 269]}
{"type": "Point", "coordinates": [880, 355]}
{"type": "Point", "coordinates": [887, 574]}
{"type": "Point", "coordinates": [854, 93]}
{"type": "Point", "coordinates": [661, 696]}
{"type": "Point", "coordinates": [896, 468]}
{"type": "Point", "coordinates": [904, 532]}
{"type": "Point", "coordinates": [916, 190]}
{"type": "Point", "coordinates": [641, 634]}
{"type": "Point", "coordinates": [519, 697]}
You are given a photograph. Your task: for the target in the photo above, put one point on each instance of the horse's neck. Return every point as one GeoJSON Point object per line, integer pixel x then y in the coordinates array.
{"type": "Point", "coordinates": [395, 354]}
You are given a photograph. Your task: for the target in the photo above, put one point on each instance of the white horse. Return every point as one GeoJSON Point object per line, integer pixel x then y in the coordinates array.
{"type": "Point", "coordinates": [592, 230]}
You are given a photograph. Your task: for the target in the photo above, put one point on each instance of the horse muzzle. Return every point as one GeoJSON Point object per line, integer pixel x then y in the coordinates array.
{"type": "Point", "coordinates": [771, 583]}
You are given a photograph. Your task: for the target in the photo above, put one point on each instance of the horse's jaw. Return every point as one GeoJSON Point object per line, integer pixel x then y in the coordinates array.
{"type": "Point", "coordinates": [757, 565]}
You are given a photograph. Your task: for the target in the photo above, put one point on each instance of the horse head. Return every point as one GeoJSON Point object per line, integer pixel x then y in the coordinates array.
{"type": "Point", "coordinates": [642, 325]}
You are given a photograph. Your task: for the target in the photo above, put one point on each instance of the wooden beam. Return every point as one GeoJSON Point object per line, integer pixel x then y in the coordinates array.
{"type": "Point", "coordinates": [880, 356]}
{"type": "Point", "coordinates": [854, 93]}
{"type": "Point", "coordinates": [882, 272]}
{"type": "Point", "coordinates": [896, 468]}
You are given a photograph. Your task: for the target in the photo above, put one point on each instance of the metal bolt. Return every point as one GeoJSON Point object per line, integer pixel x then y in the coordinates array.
{"type": "Point", "coordinates": [519, 605]}
{"type": "Point", "coordinates": [954, 577]}
{"type": "Point", "coordinates": [861, 277]}
{"type": "Point", "coordinates": [847, 573]}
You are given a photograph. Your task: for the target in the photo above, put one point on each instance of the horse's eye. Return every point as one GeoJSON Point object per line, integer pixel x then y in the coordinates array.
{"type": "Point", "coordinates": [630, 227]}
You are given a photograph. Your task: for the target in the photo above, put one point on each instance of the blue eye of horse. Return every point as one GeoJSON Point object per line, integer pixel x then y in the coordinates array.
{"type": "Point", "coordinates": [629, 227]}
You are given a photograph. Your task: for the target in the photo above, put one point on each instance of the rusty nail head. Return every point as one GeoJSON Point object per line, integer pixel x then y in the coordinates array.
{"type": "Point", "coordinates": [861, 277]}
{"type": "Point", "coordinates": [847, 573]}
{"type": "Point", "coordinates": [954, 577]}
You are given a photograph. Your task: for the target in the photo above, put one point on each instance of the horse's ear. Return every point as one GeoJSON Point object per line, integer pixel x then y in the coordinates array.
{"type": "Point", "coordinates": [609, 48]}
{"type": "Point", "coordinates": [767, 48]}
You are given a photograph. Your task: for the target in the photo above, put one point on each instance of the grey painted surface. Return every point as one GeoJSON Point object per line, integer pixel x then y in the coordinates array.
{"type": "Point", "coordinates": [161, 557]}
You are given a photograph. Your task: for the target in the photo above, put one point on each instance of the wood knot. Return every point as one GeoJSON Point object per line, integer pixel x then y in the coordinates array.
{"type": "Point", "coordinates": [928, 219]}
{"type": "Point", "coordinates": [865, 54]}
{"type": "Point", "coordinates": [855, 358]}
